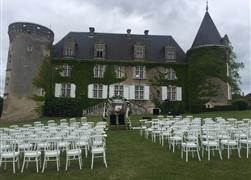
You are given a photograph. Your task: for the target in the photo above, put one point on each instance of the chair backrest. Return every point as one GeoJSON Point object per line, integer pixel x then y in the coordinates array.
{"type": "Point", "coordinates": [98, 141]}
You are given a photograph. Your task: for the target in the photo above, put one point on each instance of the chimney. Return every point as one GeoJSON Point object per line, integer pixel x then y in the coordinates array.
{"type": "Point", "coordinates": [146, 32]}
{"type": "Point", "coordinates": [91, 29]}
{"type": "Point", "coordinates": [128, 31]}
{"type": "Point", "coordinates": [91, 32]}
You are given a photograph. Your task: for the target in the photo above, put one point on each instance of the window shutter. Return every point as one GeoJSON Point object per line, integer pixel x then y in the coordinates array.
{"type": "Point", "coordinates": [164, 92]}
{"type": "Point", "coordinates": [58, 92]}
{"type": "Point", "coordinates": [126, 91]}
{"type": "Point", "coordinates": [132, 92]}
{"type": "Point", "coordinates": [73, 90]}
{"type": "Point", "coordinates": [178, 93]}
{"type": "Point", "coordinates": [134, 72]}
{"type": "Point", "coordinates": [111, 91]}
{"type": "Point", "coordinates": [146, 92]}
{"type": "Point", "coordinates": [90, 91]}
{"type": "Point", "coordinates": [105, 89]}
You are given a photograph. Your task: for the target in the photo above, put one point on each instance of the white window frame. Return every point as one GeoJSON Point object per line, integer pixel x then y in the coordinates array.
{"type": "Point", "coordinates": [170, 74]}
{"type": "Point", "coordinates": [68, 51]}
{"type": "Point", "coordinates": [120, 71]}
{"type": "Point", "coordinates": [139, 52]}
{"type": "Point", "coordinates": [171, 93]}
{"type": "Point", "coordinates": [66, 90]}
{"type": "Point", "coordinates": [99, 51]}
{"type": "Point", "coordinates": [99, 71]}
{"type": "Point", "coordinates": [66, 70]}
{"type": "Point", "coordinates": [170, 53]}
{"type": "Point", "coordinates": [97, 91]}
{"type": "Point", "coordinates": [139, 72]}
{"type": "Point", "coordinates": [139, 92]}
{"type": "Point", "coordinates": [119, 90]}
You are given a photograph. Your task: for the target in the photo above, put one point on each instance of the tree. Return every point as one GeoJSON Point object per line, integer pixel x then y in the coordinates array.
{"type": "Point", "coordinates": [234, 68]}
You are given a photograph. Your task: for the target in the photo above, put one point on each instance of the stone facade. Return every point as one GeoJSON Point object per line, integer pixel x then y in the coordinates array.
{"type": "Point", "coordinates": [29, 45]}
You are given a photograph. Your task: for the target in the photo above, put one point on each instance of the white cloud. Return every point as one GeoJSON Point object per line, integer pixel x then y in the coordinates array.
{"type": "Point", "coordinates": [181, 19]}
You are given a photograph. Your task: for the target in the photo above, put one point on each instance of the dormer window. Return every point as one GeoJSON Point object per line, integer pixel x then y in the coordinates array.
{"type": "Point", "coordinates": [170, 53]}
{"type": "Point", "coordinates": [170, 74]}
{"type": "Point", "coordinates": [68, 51]}
{"type": "Point", "coordinates": [139, 51]}
{"type": "Point", "coordinates": [69, 47]}
{"type": "Point", "coordinates": [99, 51]}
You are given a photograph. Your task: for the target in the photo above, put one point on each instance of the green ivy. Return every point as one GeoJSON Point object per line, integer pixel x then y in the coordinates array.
{"type": "Point", "coordinates": [204, 64]}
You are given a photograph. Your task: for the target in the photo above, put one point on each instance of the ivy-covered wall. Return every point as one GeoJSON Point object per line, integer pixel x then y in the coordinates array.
{"type": "Point", "coordinates": [205, 64]}
{"type": "Point", "coordinates": [82, 76]}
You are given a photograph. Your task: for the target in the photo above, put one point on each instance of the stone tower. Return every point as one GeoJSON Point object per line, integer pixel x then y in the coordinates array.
{"type": "Point", "coordinates": [29, 45]}
{"type": "Point", "coordinates": [209, 41]}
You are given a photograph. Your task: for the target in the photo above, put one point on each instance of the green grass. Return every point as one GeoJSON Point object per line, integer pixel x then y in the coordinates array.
{"type": "Point", "coordinates": [131, 156]}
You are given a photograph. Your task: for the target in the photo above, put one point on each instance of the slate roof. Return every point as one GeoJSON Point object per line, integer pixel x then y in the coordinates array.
{"type": "Point", "coordinates": [119, 47]}
{"type": "Point", "coordinates": [208, 33]}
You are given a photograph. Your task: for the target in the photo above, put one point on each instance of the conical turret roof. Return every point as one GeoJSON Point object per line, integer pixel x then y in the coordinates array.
{"type": "Point", "coordinates": [208, 33]}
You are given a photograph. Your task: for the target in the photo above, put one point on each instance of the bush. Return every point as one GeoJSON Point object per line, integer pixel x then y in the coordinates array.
{"type": "Point", "coordinates": [223, 108]}
{"type": "Point", "coordinates": [198, 108]}
{"type": "Point", "coordinates": [240, 104]}
{"type": "Point", "coordinates": [172, 107]}
{"type": "Point", "coordinates": [62, 107]}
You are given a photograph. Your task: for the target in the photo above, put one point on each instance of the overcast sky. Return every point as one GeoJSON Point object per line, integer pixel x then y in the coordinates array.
{"type": "Point", "coordinates": [179, 18]}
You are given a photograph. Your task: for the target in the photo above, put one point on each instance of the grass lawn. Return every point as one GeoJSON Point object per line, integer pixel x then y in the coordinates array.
{"type": "Point", "coordinates": [130, 156]}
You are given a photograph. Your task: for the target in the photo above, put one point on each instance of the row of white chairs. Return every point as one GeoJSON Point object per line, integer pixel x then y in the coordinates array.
{"type": "Point", "coordinates": [194, 134]}
{"type": "Point", "coordinates": [33, 143]}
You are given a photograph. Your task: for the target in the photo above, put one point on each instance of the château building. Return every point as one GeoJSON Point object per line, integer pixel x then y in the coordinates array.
{"type": "Point", "coordinates": [93, 66]}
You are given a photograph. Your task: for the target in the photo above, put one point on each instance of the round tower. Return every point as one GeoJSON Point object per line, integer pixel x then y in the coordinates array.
{"type": "Point", "coordinates": [29, 45]}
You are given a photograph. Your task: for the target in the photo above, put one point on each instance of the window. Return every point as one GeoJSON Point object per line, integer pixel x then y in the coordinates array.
{"type": "Point", "coordinates": [119, 90]}
{"type": "Point", "coordinates": [139, 92]}
{"type": "Point", "coordinates": [171, 93]}
{"type": "Point", "coordinates": [68, 51]}
{"type": "Point", "coordinates": [139, 72]}
{"type": "Point", "coordinates": [99, 71]}
{"type": "Point", "coordinates": [120, 71]}
{"type": "Point", "coordinates": [66, 90]}
{"type": "Point", "coordinates": [41, 92]}
{"type": "Point", "coordinates": [99, 51]}
{"type": "Point", "coordinates": [66, 70]}
{"type": "Point", "coordinates": [170, 53]}
{"type": "Point", "coordinates": [170, 74]}
{"type": "Point", "coordinates": [97, 91]}
{"type": "Point", "coordinates": [139, 52]}
{"type": "Point", "coordinates": [7, 80]}
{"type": "Point", "coordinates": [29, 48]}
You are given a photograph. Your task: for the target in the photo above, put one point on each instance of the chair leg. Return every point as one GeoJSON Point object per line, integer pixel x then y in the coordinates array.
{"type": "Point", "coordinates": [86, 152]}
{"type": "Point", "coordinates": [66, 166]}
{"type": "Point", "coordinates": [220, 154]}
{"type": "Point", "coordinates": [37, 164]}
{"type": "Point", "coordinates": [14, 164]}
{"type": "Point", "coordinates": [44, 164]}
{"type": "Point", "coordinates": [104, 156]}
{"type": "Point", "coordinates": [198, 154]}
{"type": "Point", "coordinates": [239, 153]}
{"type": "Point", "coordinates": [208, 153]}
{"type": "Point", "coordinates": [228, 152]}
{"type": "Point", "coordinates": [79, 161]}
{"type": "Point", "coordinates": [186, 155]}
{"type": "Point", "coordinates": [57, 163]}
{"type": "Point", "coordinates": [23, 166]}
{"type": "Point", "coordinates": [18, 163]}
{"type": "Point", "coordinates": [92, 161]}
{"type": "Point", "coordinates": [181, 152]}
